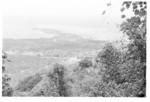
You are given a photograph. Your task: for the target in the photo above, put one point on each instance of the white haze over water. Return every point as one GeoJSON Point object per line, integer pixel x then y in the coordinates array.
{"type": "Point", "coordinates": [21, 18]}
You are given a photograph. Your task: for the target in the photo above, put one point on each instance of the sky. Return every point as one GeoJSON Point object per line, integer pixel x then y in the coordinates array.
{"type": "Point", "coordinates": [81, 17]}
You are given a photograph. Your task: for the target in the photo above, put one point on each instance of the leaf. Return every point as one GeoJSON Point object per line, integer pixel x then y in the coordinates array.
{"type": "Point", "coordinates": [127, 5]}
{"type": "Point", "coordinates": [103, 12]}
{"type": "Point", "coordinates": [134, 6]}
{"type": "Point", "coordinates": [123, 16]}
{"type": "Point", "coordinates": [136, 12]}
{"type": "Point", "coordinates": [122, 9]}
{"type": "Point", "coordinates": [142, 12]}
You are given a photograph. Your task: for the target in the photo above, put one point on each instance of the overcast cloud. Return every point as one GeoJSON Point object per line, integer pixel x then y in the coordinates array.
{"type": "Point", "coordinates": [82, 17]}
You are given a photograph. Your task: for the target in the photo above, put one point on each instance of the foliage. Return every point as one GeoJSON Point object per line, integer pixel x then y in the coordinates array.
{"type": "Point", "coordinates": [46, 87]}
{"type": "Point", "coordinates": [111, 89]}
{"type": "Point", "coordinates": [135, 28]}
{"type": "Point", "coordinates": [85, 63]}
{"type": "Point", "coordinates": [28, 83]}
{"type": "Point", "coordinates": [109, 57]}
{"type": "Point", "coordinates": [138, 7]}
{"type": "Point", "coordinates": [6, 88]}
{"type": "Point", "coordinates": [121, 76]}
{"type": "Point", "coordinates": [53, 84]}
{"type": "Point", "coordinates": [119, 72]}
{"type": "Point", "coordinates": [58, 77]}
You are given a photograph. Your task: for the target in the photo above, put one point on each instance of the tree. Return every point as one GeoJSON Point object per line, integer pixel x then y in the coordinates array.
{"type": "Point", "coordinates": [6, 88]}
{"type": "Point", "coordinates": [110, 59]}
{"type": "Point", "coordinates": [135, 28]}
{"type": "Point", "coordinates": [85, 63]}
{"type": "Point", "coordinates": [58, 77]}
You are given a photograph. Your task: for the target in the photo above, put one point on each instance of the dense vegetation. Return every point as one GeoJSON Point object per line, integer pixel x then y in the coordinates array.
{"type": "Point", "coordinates": [6, 88]}
{"type": "Point", "coordinates": [114, 72]}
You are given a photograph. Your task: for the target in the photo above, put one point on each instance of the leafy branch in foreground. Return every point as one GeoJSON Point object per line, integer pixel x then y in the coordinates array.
{"type": "Point", "coordinates": [135, 28]}
{"type": "Point", "coordinates": [6, 88]}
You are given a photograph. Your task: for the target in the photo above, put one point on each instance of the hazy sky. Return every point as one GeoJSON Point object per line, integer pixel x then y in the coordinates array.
{"type": "Point", "coordinates": [82, 17]}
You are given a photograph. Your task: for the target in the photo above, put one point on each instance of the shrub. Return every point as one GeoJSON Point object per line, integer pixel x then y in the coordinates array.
{"type": "Point", "coordinates": [109, 57]}
{"type": "Point", "coordinates": [133, 74]}
{"type": "Point", "coordinates": [28, 83]}
{"type": "Point", "coordinates": [85, 63]}
{"type": "Point", "coordinates": [58, 77]}
{"type": "Point", "coordinates": [46, 87]}
{"type": "Point", "coordinates": [120, 71]}
{"type": "Point", "coordinates": [6, 88]}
